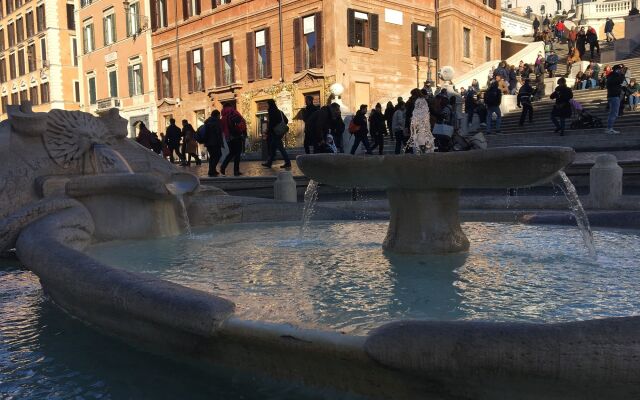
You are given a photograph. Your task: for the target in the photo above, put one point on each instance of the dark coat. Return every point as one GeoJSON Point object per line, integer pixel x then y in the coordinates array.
{"type": "Point", "coordinates": [614, 84]}
{"type": "Point", "coordinates": [361, 120]}
{"type": "Point", "coordinates": [562, 108]}
{"type": "Point", "coordinates": [377, 123]}
{"type": "Point", "coordinates": [275, 117]}
{"type": "Point", "coordinates": [525, 94]}
{"type": "Point", "coordinates": [213, 132]}
{"type": "Point", "coordinates": [318, 125]}
{"type": "Point", "coordinates": [173, 136]}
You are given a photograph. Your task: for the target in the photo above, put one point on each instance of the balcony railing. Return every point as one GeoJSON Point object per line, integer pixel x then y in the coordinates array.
{"type": "Point", "coordinates": [108, 103]}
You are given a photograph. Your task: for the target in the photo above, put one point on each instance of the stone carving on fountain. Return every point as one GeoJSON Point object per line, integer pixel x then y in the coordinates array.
{"type": "Point", "coordinates": [64, 159]}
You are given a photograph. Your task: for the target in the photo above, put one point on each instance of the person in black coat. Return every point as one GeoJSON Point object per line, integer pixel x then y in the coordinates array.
{"type": "Point", "coordinates": [275, 118]}
{"type": "Point", "coordinates": [377, 128]}
{"type": "Point", "coordinates": [562, 109]}
{"type": "Point", "coordinates": [388, 117]}
{"type": "Point", "coordinates": [309, 110]}
{"type": "Point", "coordinates": [173, 138]}
{"type": "Point", "coordinates": [213, 141]}
{"type": "Point", "coordinates": [360, 119]}
{"type": "Point", "coordinates": [524, 100]}
{"type": "Point", "coordinates": [336, 126]}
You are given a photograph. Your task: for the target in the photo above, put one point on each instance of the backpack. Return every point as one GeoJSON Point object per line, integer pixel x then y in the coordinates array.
{"type": "Point", "coordinates": [201, 134]}
{"type": "Point", "coordinates": [353, 127]}
{"type": "Point", "coordinates": [237, 126]}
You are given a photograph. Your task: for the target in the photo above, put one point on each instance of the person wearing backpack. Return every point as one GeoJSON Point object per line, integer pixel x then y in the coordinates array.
{"type": "Point", "coordinates": [234, 129]}
{"type": "Point", "coordinates": [360, 134]}
{"type": "Point", "coordinates": [493, 99]}
{"type": "Point", "coordinates": [213, 140]}
{"type": "Point", "coordinates": [276, 129]}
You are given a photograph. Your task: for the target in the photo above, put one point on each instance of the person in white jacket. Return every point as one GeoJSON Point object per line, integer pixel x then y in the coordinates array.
{"type": "Point", "coordinates": [398, 127]}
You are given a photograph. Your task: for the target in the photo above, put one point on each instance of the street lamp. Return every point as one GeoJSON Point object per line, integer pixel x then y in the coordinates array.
{"type": "Point", "coordinates": [428, 32]}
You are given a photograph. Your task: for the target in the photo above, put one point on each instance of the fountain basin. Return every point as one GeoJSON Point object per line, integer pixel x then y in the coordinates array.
{"type": "Point", "coordinates": [424, 190]}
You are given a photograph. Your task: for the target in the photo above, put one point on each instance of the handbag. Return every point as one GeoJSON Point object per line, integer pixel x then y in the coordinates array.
{"type": "Point", "coordinates": [443, 129]}
{"type": "Point", "coordinates": [282, 128]}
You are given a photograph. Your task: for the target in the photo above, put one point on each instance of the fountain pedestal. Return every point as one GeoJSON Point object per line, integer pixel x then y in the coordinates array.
{"type": "Point", "coordinates": [424, 222]}
{"type": "Point", "coordinates": [423, 190]}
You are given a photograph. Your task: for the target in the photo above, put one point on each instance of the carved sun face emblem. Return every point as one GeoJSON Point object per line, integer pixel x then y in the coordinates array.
{"type": "Point", "coordinates": [70, 134]}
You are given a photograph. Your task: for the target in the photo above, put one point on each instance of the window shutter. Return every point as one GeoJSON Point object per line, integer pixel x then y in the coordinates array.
{"type": "Point", "coordinates": [104, 31]}
{"type": "Point", "coordinates": [159, 79]}
{"type": "Point", "coordinates": [140, 72]}
{"type": "Point", "coordinates": [319, 40]}
{"type": "Point", "coordinates": [434, 43]}
{"type": "Point", "coordinates": [251, 62]}
{"type": "Point", "coordinates": [154, 14]}
{"type": "Point", "coordinates": [128, 18]}
{"type": "Point", "coordinates": [130, 74]}
{"type": "Point", "coordinates": [374, 32]}
{"type": "Point", "coordinates": [197, 11]}
{"type": "Point", "coordinates": [85, 41]}
{"type": "Point", "coordinates": [217, 58]}
{"type": "Point", "coordinates": [170, 94]}
{"type": "Point", "coordinates": [233, 62]}
{"type": "Point", "coordinates": [214, 3]}
{"type": "Point", "coordinates": [267, 38]}
{"type": "Point", "coordinates": [414, 40]}
{"type": "Point", "coordinates": [351, 27]}
{"type": "Point", "coordinates": [189, 71]}
{"type": "Point", "coordinates": [297, 45]}
{"type": "Point", "coordinates": [114, 29]}
{"type": "Point", "coordinates": [185, 9]}
{"type": "Point", "coordinates": [204, 85]}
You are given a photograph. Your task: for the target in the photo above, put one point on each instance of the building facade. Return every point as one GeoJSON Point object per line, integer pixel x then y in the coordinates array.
{"type": "Point", "coordinates": [37, 40]}
{"type": "Point", "coordinates": [115, 59]}
{"type": "Point", "coordinates": [209, 53]}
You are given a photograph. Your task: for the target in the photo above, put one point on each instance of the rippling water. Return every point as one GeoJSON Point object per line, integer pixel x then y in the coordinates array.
{"type": "Point", "coordinates": [338, 277]}
{"type": "Point", "coordinates": [45, 354]}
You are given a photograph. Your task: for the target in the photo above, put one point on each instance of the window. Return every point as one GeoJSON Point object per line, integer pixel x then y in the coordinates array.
{"type": "Point", "coordinates": [362, 29]}
{"type": "Point", "coordinates": [84, 3]}
{"type": "Point", "coordinates": [223, 55]}
{"type": "Point", "coordinates": [215, 3]}
{"type": "Point", "coordinates": [12, 66]}
{"type": "Point", "coordinates": [89, 44]}
{"type": "Point", "coordinates": [2, 40]}
{"type": "Point", "coordinates": [76, 91]}
{"type": "Point", "coordinates": [29, 22]}
{"type": "Point", "coordinates": [33, 95]}
{"type": "Point", "coordinates": [44, 93]}
{"type": "Point", "coordinates": [307, 36]}
{"type": "Point", "coordinates": [91, 84]}
{"type": "Point", "coordinates": [135, 78]}
{"type": "Point", "coordinates": [420, 42]}
{"type": "Point", "coordinates": [133, 19]}
{"type": "Point", "coordinates": [160, 14]}
{"type": "Point", "coordinates": [21, 68]}
{"type": "Point", "coordinates": [18, 4]}
{"type": "Point", "coordinates": [109, 28]}
{"type": "Point", "coordinates": [11, 34]}
{"type": "Point", "coordinates": [8, 6]}
{"type": "Point", "coordinates": [190, 8]}
{"type": "Point", "coordinates": [466, 42]}
{"type": "Point", "coordinates": [3, 70]}
{"type": "Point", "coordinates": [195, 72]}
{"type": "Point", "coordinates": [24, 96]}
{"type": "Point", "coordinates": [74, 51]}
{"type": "Point", "coordinates": [258, 55]}
{"type": "Point", "coordinates": [19, 30]}
{"type": "Point", "coordinates": [112, 74]}
{"type": "Point", "coordinates": [163, 78]}
{"type": "Point", "coordinates": [1, 13]}
{"type": "Point", "coordinates": [15, 100]}
{"type": "Point", "coordinates": [42, 25]}
{"type": "Point", "coordinates": [5, 103]}
{"type": "Point", "coordinates": [71, 20]}
{"type": "Point", "coordinates": [43, 49]}
{"type": "Point", "coordinates": [487, 48]}
{"type": "Point", "coordinates": [31, 57]}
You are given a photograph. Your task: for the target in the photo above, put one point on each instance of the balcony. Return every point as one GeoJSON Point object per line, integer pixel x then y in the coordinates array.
{"type": "Point", "coordinates": [103, 105]}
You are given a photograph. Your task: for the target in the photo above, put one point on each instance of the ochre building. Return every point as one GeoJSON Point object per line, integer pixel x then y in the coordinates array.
{"type": "Point", "coordinates": [211, 52]}
{"type": "Point", "coordinates": [37, 48]}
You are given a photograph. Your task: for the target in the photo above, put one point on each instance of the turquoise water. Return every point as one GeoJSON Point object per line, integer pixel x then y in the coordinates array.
{"type": "Point", "coordinates": [337, 277]}
{"type": "Point", "coordinates": [45, 354]}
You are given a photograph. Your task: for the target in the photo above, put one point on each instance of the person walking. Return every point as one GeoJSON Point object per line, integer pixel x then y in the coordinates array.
{"type": "Point", "coordinates": [592, 39]}
{"type": "Point", "coordinates": [336, 126]}
{"type": "Point", "coordinates": [493, 99]}
{"type": "Point", "coordinates": [562, 109]}
{"type": "Point", "coordinates": [309, 109]}
{"type": "Point", "coordinates": [190, 144]}
{"type": "Point", "coordinates": [360, 120]}
{"type": "Point", "coordinates": [470, 103]}
{"type": "Point", "coordinates": [398, 126]}
{"type": "Point", "coordinates": [608, 30]}
{"type": "Point", "coordinates": [388, 117]}
{"type": "Point", "coordinates": [377, 128]}
{"type": "Point", "coordinates": [552, 63]}
{"type": "Point", "coordinates": [524, 100]}
{"type": "Point", "coordinates": [275, 132]}
{"type": "Point", "coordinates": [145, 137]}
{"type": "Point", "coordinates": [536, 26]}
{"type": "Point", "coordinates": [538, 68]}
{"type": "Point", "coordinates": [572, 37]}
{"type": "Point", "coordinates": [173, 139]}
{"type": "Point", "coordinates": [234, 129]}
{"type": "Point", "coordinates": [614, 91]}
{"type": "Point", "coordinates": [581, 41]}
{"type": "Point", "coordinates": [213, 141]}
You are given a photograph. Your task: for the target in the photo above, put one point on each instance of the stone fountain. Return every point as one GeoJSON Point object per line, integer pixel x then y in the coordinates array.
{"type": "Point", "coordinates": [424, 190]}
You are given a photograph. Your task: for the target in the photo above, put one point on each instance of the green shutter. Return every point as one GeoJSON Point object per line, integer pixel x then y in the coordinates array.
{"type": "Point", "coordinates": [132, 89]}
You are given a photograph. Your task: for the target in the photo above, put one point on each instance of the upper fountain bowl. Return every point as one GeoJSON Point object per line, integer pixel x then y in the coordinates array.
{"type": "Point", "coordinates": [506, 167]}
